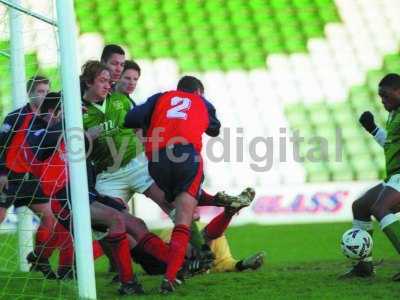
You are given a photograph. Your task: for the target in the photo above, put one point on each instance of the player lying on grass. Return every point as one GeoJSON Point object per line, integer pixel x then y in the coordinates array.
{"type": "Point", "coordinates": [221, 261]}
{"type": "Point", "coordinates": [383, 200]}
{"type": "Point", "coordinates": [174, 123]}
{"type": "Point", "coordinates": [45, 150]}
{"type": "Point", "coordinates": [22, 189]}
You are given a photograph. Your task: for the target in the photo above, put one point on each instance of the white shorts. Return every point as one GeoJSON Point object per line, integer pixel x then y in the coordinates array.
{"type": "Point", "coordinates": [123, 183]}
{"type": "Point", "coordinates": [393, 182]}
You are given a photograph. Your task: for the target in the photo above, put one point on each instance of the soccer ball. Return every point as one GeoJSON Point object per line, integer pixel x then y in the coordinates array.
{"type": "Point", "coordinates": [356, 244]}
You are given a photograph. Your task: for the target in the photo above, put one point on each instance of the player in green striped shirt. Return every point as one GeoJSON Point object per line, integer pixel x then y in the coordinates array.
{"type": "Point", "coordinates": [383, 200]}
{"type": "Point", "coordinates": [120, 163]}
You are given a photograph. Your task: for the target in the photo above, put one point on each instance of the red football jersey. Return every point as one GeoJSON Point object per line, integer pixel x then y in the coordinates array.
{"type": "Point", "coordinates": [178, 118]}
{"type": "Point", "coordinates": [52, 172]}
{"type": "Point", "coordinates": [15, 159]}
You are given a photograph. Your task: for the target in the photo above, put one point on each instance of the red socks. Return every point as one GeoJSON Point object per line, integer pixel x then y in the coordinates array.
{"type": "Point", "coordinates": [43, 238]}
{"type": "Point", "coordinates": [97, 250]}
{"type": "Point", "coordinates": [47, 241]}
{"type": "Point", "coordinates": [122, 256]}
{"type": "Point", "coordinates": [177, 250]}
{"type": "Point", "coordinates": [217, 226]}
{"type": "Point", "coordinates": [154, 246]}
{"type": "Point", "coordinates": [66, 258]}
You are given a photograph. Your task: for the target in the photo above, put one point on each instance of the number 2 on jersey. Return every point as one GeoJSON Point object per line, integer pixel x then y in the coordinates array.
{"type": "Point", "coordinates": [179, 109]}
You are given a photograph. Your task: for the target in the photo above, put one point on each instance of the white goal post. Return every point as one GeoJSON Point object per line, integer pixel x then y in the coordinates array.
{"type": "Point", "coordinates": [19, 99]}
{"type": "Point", "coordinates": [67, 37]}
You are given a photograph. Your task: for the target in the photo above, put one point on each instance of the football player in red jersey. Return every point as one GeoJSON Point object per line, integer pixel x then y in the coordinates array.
{"type": "Point", "coordinates": [12, 167]}
{"type": "Point", "coordinates": [22, 189]}
{"type": "Point", "coordinates": [174, 123]}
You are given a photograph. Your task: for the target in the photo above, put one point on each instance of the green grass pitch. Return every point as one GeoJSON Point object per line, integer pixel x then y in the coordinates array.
{"type": "Point", "coordinates": [302, 262]}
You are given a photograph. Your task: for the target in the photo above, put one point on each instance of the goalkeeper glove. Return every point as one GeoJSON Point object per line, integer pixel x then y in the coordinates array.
{"type": "Point", "coordinates": [367, 121]}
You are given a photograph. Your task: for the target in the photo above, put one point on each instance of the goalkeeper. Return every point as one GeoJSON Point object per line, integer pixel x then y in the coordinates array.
{"type": "Point", "coordinates": [383, 200]}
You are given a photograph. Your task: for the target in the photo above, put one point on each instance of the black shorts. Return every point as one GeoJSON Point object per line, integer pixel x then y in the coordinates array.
{"type": "Point", "coordinates": [61, 208]}
{"type": "Point", "coordinates": [93, 196]}
{"type": "Point", "coordinates": [111, 202]}
{"type": "Point", "coordinates": [177, 169]}
{"type": "Point", "coordinates": [23, 191]}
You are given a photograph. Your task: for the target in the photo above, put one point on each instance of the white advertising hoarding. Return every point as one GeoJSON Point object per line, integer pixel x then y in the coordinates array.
{"type": "Point", "coordinates": [286, 204]}
{"type": "Point", "coordinates": [305, 203]}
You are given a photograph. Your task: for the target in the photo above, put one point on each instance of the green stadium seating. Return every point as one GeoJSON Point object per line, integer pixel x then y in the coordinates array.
{"type": "Point", "coordinates": [235, 28]}
{"type": "Point", "coordinates": [240, 34]}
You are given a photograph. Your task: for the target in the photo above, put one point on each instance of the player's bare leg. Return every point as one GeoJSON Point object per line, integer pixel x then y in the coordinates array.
{"type": "Point", "coordinates": [158, 196]}
{"type": "Point", "coordinates": [185, 207]}
{"type": "Point", "coordinates": [384, 211]}
{"type": "Point", "coordinates": [362, 208]}
{"type": "Point", "coordinates": [387, 203]}
{"type": "Point", "coordinates": [117, 237]}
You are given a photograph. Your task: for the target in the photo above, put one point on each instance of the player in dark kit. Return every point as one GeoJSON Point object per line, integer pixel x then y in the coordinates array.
{"type": "Point", "coordinates": [46, 152]}
{"type": "Point", "coordinates": [20, 189]}
{"type": "Point", "coordinates": [174, 123]}
{"type": "Point", "coordinates": [23, 189]}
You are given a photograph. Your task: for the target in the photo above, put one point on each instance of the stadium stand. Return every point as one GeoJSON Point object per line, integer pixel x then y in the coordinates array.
{"type": "Point", "coordinates": [243, 54]}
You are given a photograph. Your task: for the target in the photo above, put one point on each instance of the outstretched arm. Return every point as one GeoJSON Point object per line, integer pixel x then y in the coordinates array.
{"type": "Point", "coordinates": [367, 121]}
{"type": "Point", "coordinates": [140, 115]}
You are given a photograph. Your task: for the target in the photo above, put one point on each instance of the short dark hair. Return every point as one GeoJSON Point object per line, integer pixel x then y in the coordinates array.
{"type": "Point", "coordinates": [109, 50]}
{"type": "Point", "coordinates": [391, 80]}
{"type": "Point", "coordinates": [131, 65]}
{"type": "Point", "coordinates": [34, 81]}
{"type": "Point", "coordinates": [90, 70]}
{"type": "Point", "coordinates": [51, 101]}
{"type": "Point", "coordinates": [190, 84]}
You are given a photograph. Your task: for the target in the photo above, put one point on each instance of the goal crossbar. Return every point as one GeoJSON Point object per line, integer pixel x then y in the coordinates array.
{"type": "Point", "coordinates": [28, 12]}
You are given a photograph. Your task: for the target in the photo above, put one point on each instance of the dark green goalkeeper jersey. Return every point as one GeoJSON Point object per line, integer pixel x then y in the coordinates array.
{"type": "Point", "coordinates": [116, 143]}
{"type": "Point", "coordinates": [392, 144]}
